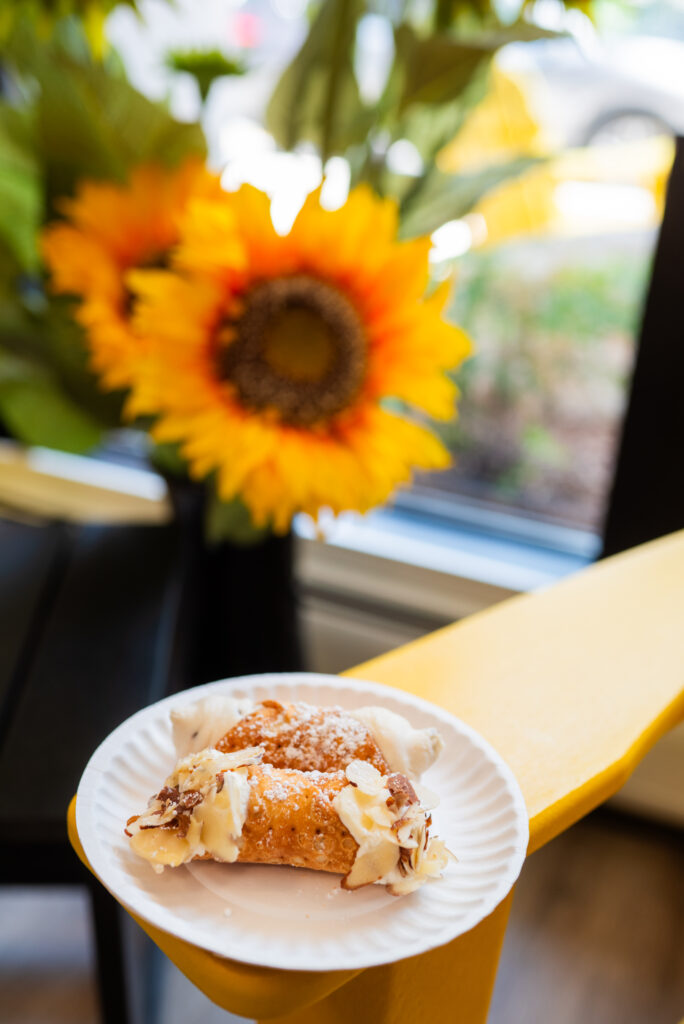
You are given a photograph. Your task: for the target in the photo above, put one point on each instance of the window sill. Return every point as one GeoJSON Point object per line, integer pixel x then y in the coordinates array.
{"type": "Point", "coordinates": [429, 570]}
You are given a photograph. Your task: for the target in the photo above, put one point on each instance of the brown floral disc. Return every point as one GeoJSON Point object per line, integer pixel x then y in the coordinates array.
{"type": "Point", "coordinates": [297, 347]}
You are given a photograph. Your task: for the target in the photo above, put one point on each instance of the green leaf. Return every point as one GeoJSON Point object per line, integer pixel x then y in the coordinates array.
{"type": "Point", "coordinates": [231, 521]}
{"type": "Point", "coordinates": [91, 122]}
{"type": "Point", "coordinates": [439, 68]}
{"type": "Point", "coordinates": [168, 460]}
{"type": "Point", "coordinates": [51, 346]}
{"type": "Point", "coordinates": [37, 413]}
{"type": "Point", "coordinates": [430, 128]}
{"type": "Point", "coordinates": [21, 201]}
{"type": "Point", "coordinates": [59, 343]}
{"type": "Point", "coordinates": [445, 197]}
{"type": "Point", "coordinates": [317, 97]}
{"type": "Point", "coordinates": [48, 15]}
{"type": "Point", "coordinates": [14, 368]}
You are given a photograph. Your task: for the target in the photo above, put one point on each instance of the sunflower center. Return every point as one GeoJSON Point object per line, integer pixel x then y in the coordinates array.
{"type": "Point", "coordinates": [297, 347]}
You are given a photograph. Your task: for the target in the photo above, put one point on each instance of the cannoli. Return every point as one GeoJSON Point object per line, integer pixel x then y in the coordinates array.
{"type": "Point", "coordinates": [306, 737]}
{"type": "Point", "coordinates": [368, 827]}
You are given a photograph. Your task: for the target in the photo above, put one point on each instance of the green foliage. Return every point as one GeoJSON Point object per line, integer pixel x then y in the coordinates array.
{"type": "Point", "coordinates": [46, 15]}
{"type": "Point", "coordinates": [230, 521]}
{"type": "Point", "coordinates": [317, 99]}
{"type": "Point", "coordinates": [71, 116]}
{"type": "Point", "coordinates": [444, 77]}
{"type": "Point", "coordinates": [534, 327]}
{"type": "Point", "coordinates": [205, 66]}
{"type": "Point", "coordinates": [168, 460]}
{"type": "Point", "coordinates": [443, 197]}
{"type": "Point", "coordinates": [34, 408]}
{"type": "Point", "coordinates": [39, 413]}
{"type": "Point", "coordinates": [430, 126]}
{"type": "Point", "coordinates": [438, 74]}
{"type": "Point", "coordinates": [42, 346]}
{"type": "Point", "coordinates": [95, 125]}
{"type": "Point", "coordinates": [21, 204]}
{"type": "Point", "coordinates": [589, 301]}
{"type": "Point", "coordinates": [436, 68]}
{"type": "Point", "coordinates": [90, 122]}
{"type": "Point", "coordinates": [47, 11]}
{"type": "Point", "coordinates": [541, 397]}
{"type": "Point", "coordinates": [57, 342]}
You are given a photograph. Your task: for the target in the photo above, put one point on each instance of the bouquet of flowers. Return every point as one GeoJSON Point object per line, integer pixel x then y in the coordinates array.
{"type": "Point", "coordinates": [287, 369]}
{"type": "Point", "coordinates": [291, 372]}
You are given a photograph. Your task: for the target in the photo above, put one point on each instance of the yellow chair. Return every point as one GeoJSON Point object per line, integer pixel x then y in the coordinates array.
{"type": "Point", "coordinates": [572, 685]}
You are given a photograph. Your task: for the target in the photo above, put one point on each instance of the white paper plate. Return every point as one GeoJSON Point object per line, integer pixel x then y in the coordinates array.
{"type": "Point", "coordinates": [291, 918]}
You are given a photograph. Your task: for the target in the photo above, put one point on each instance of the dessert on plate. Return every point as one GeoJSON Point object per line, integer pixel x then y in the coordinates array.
{"type": "Point", "coordinates": [369, 826]}
{"type": "Point", "coordinates": [303, 736]}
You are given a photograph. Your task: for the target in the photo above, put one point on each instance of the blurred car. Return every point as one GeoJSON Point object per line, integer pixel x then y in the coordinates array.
{"type": "Point", "coordinates": [620, 89]}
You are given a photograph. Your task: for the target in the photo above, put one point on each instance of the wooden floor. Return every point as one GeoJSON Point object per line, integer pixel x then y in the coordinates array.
{"type": "Point", "coordinates": [596, 937]}
{"type": "Point", "coordinates": [596, 934]}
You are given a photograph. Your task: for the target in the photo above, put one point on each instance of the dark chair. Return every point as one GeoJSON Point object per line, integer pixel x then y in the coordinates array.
{"type": "Point", "coordinates": [97, 622]}
{"type": "Point", "coordinates": [89, 634]}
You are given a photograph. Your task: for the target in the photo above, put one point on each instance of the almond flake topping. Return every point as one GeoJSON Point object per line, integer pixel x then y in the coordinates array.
{"type": "Point", "coordinates": [391, 826]}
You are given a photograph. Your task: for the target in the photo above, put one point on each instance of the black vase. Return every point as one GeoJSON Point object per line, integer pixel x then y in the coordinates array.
{"type": "Point", "coordinates": [239, 607]}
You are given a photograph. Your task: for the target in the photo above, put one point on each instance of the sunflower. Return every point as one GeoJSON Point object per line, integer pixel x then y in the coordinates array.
{"type": "Point", "coordinates": [287, 372]}
{"type": "Point", "coordinates": [108, 230]}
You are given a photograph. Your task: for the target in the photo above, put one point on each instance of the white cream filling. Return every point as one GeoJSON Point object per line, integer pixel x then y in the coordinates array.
{"type": "Point", "coordinates": [216, 822]}
{"type": "Point", "coordinates": [394, 848]}
{"type": "Point", "coordinates": [202, 724]}
{"type": "Point", "coordinates": [406, 750]}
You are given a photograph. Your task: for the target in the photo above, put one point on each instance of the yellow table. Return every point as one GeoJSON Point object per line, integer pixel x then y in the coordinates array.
{"type": "Point", "coordinates": [572, 685]}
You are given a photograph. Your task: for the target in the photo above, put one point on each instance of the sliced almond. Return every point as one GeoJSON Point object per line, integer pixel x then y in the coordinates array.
{"type": "Point", "coordinates": [380, 815]}
{"type": "Point", "coordinates": [428, 799]}
{"type": "Point", "coordinates": [366, 777]}
{"type": "Point", "coordinates": [373, 862]}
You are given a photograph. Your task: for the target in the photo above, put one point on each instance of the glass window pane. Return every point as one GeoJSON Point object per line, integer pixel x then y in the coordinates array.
{"type": "Point", "coordinates": [552, 266]}
{"type": "Point", "coordinates": [542, 400]}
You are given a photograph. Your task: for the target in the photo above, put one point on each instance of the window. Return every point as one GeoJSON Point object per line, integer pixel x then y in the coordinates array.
{"type": "Point", "coordinates": [543, 397]}
{"type": "Point", "coordinates": [552, 263]}
{"type": "Point", "coordinates": [553, 292]}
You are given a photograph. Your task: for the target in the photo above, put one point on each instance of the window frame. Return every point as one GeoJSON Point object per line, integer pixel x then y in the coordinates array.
{"type": "Point", "coordinates": [647, 496]}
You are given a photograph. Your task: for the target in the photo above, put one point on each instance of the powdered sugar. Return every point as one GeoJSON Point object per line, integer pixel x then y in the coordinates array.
{"type": "Point", "coordinates": [305, 737]}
